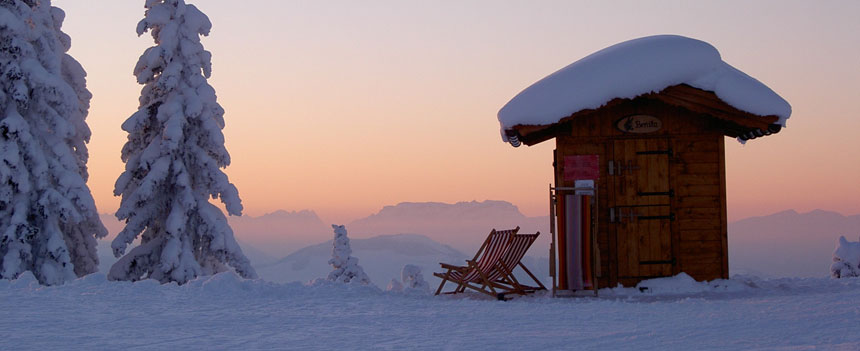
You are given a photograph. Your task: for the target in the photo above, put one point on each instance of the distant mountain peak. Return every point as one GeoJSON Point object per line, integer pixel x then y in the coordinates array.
{"type": "Point", "coordinates": [291, 214]}
{"type": "Point", "coordinates": [435, 210]}
{"type": "Point", "coordinates": [790, 212]}
{"type": "Point", "coordinates": [794, 215]}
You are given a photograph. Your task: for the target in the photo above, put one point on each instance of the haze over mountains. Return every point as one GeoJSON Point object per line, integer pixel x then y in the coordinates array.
{"type": "Point", "coordinates": [382, 258]}
{"type": "Point", "coordinates": [296, 245]}
{"type": "Point", "coordinates": [789, 244]}
{"type": "Point", "coordinates": [463, 226]}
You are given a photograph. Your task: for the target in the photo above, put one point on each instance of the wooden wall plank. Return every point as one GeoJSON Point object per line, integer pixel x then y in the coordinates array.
{"type": "Point", "coordinates": [701, 249]}
{"type": "Point", "coordinates": [686, 224]}
{"type": "Point", "coordinates": [696, 212]}
{"type": "Point", "coordinates": [697, 190]}
{"type": "Point", "coordinates": [697, 179]}
{"type": "Point", "coordinates": [723, 216]}
{"type": "Point", "coordinates": [701, 234]}
{"type": "Point", "coordinates": [699, 201]}
{"type": "Point", "coordinates": [700, 168]}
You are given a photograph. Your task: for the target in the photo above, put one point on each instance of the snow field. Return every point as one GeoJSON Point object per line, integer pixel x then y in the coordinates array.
{"type": "Point", "coordinates": [227, 312]}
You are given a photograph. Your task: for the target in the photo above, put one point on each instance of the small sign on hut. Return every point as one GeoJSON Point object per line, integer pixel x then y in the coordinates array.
{"type": "Point", "coordinates": [645, 122]}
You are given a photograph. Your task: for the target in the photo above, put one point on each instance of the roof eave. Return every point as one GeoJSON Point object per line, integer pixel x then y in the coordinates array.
{"type": "Point", "coordinates": [737, 123]}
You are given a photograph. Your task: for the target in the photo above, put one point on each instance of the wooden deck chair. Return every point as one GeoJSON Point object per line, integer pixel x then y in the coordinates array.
{"type": "Point", "coordinates": [480, 272]}
{"type": "Point", "coordinates": [513, 258]}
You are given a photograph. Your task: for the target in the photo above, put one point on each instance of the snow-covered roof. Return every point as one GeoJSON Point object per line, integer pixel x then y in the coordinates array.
{"type": "Point", "coordinates": [637, 67]}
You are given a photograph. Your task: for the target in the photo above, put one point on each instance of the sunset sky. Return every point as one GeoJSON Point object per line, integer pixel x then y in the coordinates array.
{"type": "Point", "coordinates": [343, 107]}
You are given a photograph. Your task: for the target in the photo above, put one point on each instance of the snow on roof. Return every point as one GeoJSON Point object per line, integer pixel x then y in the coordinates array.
{"type": "Point", "coordinates": [637, 67]}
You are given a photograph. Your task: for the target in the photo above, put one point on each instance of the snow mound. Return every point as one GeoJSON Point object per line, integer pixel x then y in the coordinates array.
{"type": "Point", "coordinates": [394, 285]}
{"type": "Point", "coordinates": [413, 280]}
{"type": "Point", "coordinates": [637, 67]}
{"type": "Point", "coordinates": [846, 259]}
{"type": "Point", "coordinates": [682, 284]}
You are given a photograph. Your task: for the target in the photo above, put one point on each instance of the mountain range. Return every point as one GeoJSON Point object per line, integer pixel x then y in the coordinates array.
{"type": "Point", "coordinates": [296, 245]}
{"type": "Point", "coordinates": [463, 225]}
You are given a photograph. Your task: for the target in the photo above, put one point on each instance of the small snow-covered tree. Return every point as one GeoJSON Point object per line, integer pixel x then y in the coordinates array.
{"type": "Point", "coordinates": [346, 268]}
{"type": "Point", "coordinates": [413, 279]}
{"type": "Point", "coordinates": [846, 259]}
{"type": "Point", "coordinates": [173, 159]}
{"type": "Point", "coordinates": [48, 218]}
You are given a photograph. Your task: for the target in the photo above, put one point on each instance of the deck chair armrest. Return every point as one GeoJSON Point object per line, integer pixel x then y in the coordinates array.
{"type": "Point", "coordinates": [453, 267]}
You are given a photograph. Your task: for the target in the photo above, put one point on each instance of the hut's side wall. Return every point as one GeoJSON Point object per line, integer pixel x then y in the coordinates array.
{"type": "Point", "coordinates": [700, 207]}
{"type": "Point", "coordinates": [696, 174]}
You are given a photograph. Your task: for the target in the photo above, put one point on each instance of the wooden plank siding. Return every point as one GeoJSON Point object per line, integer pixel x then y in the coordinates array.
{"type": "Point", "coordinates": [700, 205]}
{"type": "Point", "coordinates": [696, 176]}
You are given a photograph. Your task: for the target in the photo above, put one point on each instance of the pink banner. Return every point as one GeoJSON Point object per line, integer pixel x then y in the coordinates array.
{"type": "Point", "coordinates": [581, 167]}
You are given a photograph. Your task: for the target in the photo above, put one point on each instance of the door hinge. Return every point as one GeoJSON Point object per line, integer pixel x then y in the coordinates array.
{"type": "Point", "coordinates": [672, 262]}
{"type": "Point", "coordinates": [656, 152]}
{"type": "Point", "coordinates": [670, 217]}
{"type": "Point", "coordinates": [670, 193]}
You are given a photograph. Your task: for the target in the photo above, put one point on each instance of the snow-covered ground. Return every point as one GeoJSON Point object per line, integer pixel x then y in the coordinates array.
{"type": "Point", "coordinates": [226, 312]}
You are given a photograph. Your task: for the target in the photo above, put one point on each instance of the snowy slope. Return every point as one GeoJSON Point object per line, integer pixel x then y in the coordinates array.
{"type": "Point", "coordinates": [227, 313]}
{"type": "Point", "coordinates": [637, 67]}
{"type": "Point", "coordinates": [382, 258]}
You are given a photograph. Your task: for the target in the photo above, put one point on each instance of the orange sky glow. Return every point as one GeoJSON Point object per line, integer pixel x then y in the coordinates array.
{"type": "Point", "coordinates": [343, 107]}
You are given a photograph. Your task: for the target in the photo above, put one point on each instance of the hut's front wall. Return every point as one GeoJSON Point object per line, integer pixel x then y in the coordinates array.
{"type": "Point", "coordinates": [666, 192]}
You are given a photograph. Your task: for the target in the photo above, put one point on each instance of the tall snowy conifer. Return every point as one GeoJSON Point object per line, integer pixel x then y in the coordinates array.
{"type": "Point", "coordinates": [173, 159]}
{"type": "Point", "coordinates": [345, 268]}
{"type": "Point", "coordinates": [48, 219]}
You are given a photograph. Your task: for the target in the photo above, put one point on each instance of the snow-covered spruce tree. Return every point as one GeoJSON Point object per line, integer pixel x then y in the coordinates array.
{"type": "Point", "coordinates": [846, 259]}
{"type": "Point", "coordinates": [346, 268]}
{"type": "Point", "coordinates": [173, 160]}
{"type": "Point", "coordinates": [48, 219]}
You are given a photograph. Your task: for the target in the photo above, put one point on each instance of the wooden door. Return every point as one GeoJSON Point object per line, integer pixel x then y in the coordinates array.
{"type": "Point", "coordinates": [641, 212]}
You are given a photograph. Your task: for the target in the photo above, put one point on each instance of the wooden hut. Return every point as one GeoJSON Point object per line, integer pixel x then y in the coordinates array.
{"type": "Point", "coordinates": [654, 139]}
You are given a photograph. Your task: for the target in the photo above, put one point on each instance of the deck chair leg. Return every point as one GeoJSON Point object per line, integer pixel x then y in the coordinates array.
{"type": "Point", "coordinates": [509, 276]}
{"type": "Point", "coordinates": [487, 283]}
{"type": "Point", "coordinates": [532, 276]}
{"type": "Point", "coordinates": [444, 280]}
